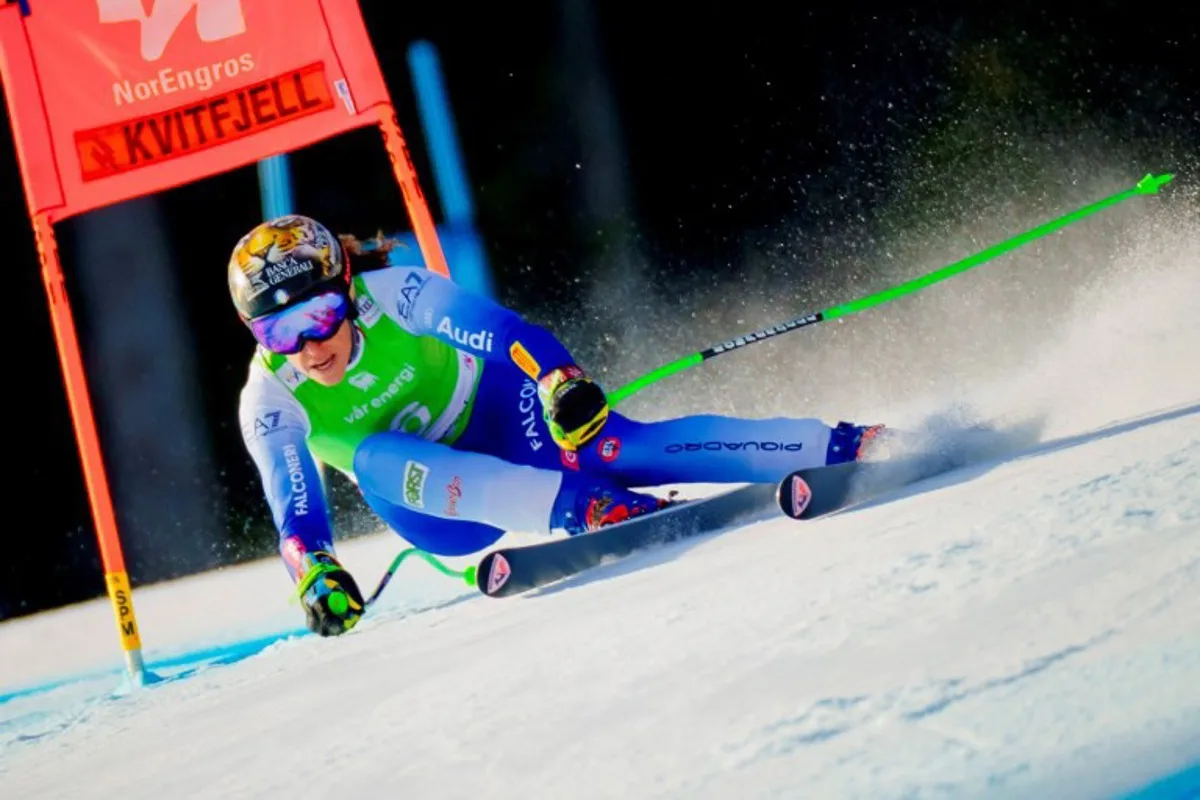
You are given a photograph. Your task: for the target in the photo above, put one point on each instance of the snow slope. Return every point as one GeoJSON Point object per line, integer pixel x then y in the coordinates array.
{"type": "Point", "coordinates": [1027, 625]}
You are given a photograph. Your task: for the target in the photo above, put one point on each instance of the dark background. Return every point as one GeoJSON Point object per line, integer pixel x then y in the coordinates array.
{"type": "Point", "coordinates": [642, 148]}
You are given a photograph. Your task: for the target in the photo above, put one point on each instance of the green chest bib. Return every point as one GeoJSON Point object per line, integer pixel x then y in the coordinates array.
{"type": "Point", "coordinates": [395, 381]}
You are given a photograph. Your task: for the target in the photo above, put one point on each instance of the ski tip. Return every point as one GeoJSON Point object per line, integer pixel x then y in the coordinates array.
{"type": "Point", "coordinates": [793, 495]}
{"type": "Point", "coordinates": [494, 571]}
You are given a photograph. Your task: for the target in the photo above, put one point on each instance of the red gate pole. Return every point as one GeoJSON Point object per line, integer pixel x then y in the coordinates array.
{"type": "Point", "coordinates": [88, 441]}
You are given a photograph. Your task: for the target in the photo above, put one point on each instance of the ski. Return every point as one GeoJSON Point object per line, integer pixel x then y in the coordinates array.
{"type": "Point", "coordinates": [514, 570]}
{"type": "Point", "coordinates": [803, 495]}
{"type": "Point", "coordinates": [807, 494]}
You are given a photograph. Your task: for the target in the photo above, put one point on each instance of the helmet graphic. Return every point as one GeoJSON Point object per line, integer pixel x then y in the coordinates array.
{"type": "Point", "coordinates": [281, 261]}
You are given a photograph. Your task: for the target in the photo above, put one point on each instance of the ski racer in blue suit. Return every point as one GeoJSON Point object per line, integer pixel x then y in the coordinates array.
{"type": "Point", "coordinates": [457, 419]}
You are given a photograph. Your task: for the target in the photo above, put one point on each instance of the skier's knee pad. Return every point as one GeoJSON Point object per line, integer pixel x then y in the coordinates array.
{"type": "Point", "coordinates": [383, 456]}
{"type": "Point", "coordinates": [441, 537]}
{"type": "Point", "coordinates": [437, 480]}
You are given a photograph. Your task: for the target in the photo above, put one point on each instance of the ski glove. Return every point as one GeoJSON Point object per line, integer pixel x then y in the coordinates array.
{"type": "Point", "coordinates": [332, 601]}
{"type": "Point", "coordinates": [573, 405]}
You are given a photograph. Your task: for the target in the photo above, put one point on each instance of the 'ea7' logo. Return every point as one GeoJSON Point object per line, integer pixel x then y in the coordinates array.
{"type": "Point", "coordinates": [215, 20]}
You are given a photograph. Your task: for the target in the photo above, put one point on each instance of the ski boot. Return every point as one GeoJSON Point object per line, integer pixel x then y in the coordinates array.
{"type": "Point", "coordinates": [850, 442]}
{"type": "Point", "coordinates": [586, 508]}
{"type": "Point", "coordinates": [332, 601]}
{"type": "Point", "coordinates": [606, 509]}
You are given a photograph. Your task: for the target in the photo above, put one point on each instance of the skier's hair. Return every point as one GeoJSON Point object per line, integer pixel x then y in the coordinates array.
{"type": "Point", "coordinates": [370, 254]}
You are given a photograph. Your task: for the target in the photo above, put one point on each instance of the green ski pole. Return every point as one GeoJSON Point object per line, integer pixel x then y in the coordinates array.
{"type": "Point", "coordinates": [1147, 185]}
{"type": "Point", "coordinates": [467, 576]}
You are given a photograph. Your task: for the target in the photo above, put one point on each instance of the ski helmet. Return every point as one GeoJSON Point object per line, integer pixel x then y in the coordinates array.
{"type": "Point", "coordinates": [281, 261]}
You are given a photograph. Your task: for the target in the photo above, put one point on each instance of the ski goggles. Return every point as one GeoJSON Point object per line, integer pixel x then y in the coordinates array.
{"type": "Point", "coordinates": [314, 320]}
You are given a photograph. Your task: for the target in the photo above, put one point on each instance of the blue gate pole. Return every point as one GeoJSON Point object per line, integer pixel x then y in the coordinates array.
{"type": "Point", "coordinates": [470, 267]}
{"type": "Point", "coordinates": [275, 186]}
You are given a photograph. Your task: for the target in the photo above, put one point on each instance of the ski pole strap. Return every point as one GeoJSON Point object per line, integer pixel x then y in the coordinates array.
{"type": "Point", "coordinates": [1149, 184]}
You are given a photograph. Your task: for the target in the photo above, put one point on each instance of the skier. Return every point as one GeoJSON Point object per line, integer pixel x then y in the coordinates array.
{"type": "Point", "coordinates": [457, 419]}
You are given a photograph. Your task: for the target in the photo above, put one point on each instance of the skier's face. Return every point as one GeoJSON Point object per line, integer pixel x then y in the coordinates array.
{"type": "Point", "coordinates": [325, 362]}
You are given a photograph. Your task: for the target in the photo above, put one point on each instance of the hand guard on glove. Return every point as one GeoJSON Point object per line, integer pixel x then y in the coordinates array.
{"type": "Point", "coordinates": [332, 601]}
{"type": "Point", "coordinates": [573, 405]}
